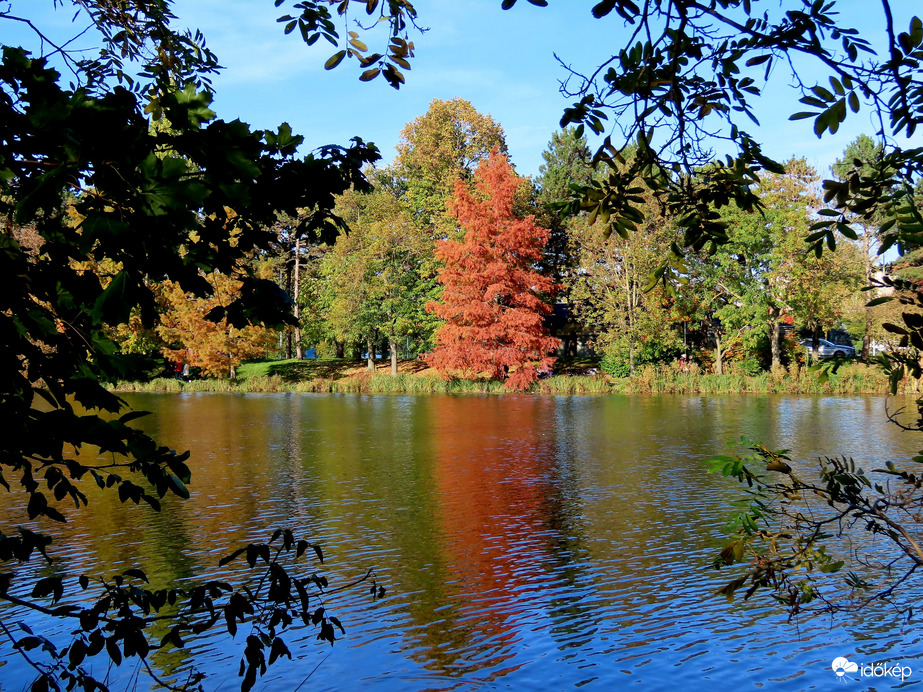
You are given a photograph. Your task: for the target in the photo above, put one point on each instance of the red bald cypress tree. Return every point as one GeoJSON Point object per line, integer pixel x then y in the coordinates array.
{"type": "Point", "coordinates": [491, 302]}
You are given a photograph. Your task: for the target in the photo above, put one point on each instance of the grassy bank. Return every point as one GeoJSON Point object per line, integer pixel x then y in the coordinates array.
{"type": "Point", "coordinates": [855, 378]}
{"type": "Point", "coordinates": [337, 376]}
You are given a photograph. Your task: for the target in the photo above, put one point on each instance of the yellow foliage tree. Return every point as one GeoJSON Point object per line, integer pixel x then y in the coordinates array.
{"type": "Point", "coordinates": [214, 346]}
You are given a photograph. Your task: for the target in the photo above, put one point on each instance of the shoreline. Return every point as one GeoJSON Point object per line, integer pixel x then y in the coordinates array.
{"type": "Point", "coordinates": [854, 378]}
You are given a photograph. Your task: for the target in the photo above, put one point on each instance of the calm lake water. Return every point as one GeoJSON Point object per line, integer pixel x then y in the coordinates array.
{"type": "Point", "coordinates": [528, 543]}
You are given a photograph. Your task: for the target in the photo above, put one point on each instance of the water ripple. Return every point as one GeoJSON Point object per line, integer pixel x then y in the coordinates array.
{"type": "Point", "coordinates": [535, 543]}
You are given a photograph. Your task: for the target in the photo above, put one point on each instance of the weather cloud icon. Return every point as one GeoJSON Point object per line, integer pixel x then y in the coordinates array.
{"type": "Point", "coordinates": [841, 666]}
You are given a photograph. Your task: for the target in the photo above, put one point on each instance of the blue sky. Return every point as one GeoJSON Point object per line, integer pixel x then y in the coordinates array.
{"type": "Point", "coordinates": [502, 62]}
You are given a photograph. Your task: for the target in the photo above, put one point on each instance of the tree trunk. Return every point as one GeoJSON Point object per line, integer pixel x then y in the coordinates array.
{"type": "Point", "coordinates": [774, 333]}
{"type": "Point", "coordinates": [393, 341]}
{"type": "Point", "coordinates": [287, 286]}
{"type": "Point", "coordinates": [631, 326]}
{"type": "Point", "coordinates": [284, 330]}
{"type": "Point", "coordinates": [867, 337]}
{"type": "Point", "coordinates": [297, 290]}
{"type": "Point", "coordinates": [370, 353]}
{"type": "Point", "coordinates": [719, 355]}
{"type": "Point", "coordinates": [340, 347]}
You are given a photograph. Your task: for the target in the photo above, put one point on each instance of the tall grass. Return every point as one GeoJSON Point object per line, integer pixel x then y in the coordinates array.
{"type": "Point", "coordinates": [577, 384]}
{"type": "Point", "coordinates": [383, 383]}
{"type": "Point", "coordinates": [855, 378]}
{"type": "Point", "coordinates": [164, 384]}
{"type": "Point", "coordinates": [365, 383]}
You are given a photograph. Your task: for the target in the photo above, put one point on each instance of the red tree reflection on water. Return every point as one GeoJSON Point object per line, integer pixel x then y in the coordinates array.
{"type": "Point", "coordinates": [492, 479]}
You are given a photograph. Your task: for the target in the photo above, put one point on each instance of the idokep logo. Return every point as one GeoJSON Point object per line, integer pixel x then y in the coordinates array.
{"type": "Point", "coordinates": [841, 666]}
{"type": "Point", "coordinates": [844, 668]}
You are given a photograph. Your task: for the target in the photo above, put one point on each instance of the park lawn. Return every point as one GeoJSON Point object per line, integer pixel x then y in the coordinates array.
{"type": "Point", "coordinates": [293, 370]}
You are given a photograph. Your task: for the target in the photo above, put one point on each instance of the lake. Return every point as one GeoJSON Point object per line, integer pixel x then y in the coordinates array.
{"type": "Point", "coordinates": [525, 542]}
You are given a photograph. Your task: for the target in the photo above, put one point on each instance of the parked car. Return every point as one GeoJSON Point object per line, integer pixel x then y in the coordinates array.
{"type": "Point", "coordinates": [828, 349]}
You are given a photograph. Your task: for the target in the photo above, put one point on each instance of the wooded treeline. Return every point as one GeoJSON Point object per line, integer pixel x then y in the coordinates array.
{"type": "Point", "coordinates": [378, 290]}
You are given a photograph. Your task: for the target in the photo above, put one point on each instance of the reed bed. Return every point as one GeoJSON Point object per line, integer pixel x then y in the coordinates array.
{"type": "Point", "coordinates": [855, 378]}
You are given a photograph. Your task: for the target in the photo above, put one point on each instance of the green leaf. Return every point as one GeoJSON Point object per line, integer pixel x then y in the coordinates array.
{"type": "Point", "coordinates": [334, 60]}
{"type": "Point", "coordinates": [759, 60]}
{"type": "Point", "coordinates": [278, 649]}
{"type": "Point", "coordinates": [27, 643]}
{"type": "Point", "coordinates": [853, 102]}
{"type": "Point", "coordinates": [178, 486]}
{"type": "Point", "coordinates": [811, 101]}
{"type": "Point", "coordinates": [879, 301]}
{"type": "Point", "coordinates": [823, 94]}
{"type": "Point", "coordinates": [132, 415]}
{"type": "Point", "coordinates": [821, 123]}
{"type": "Point", "coordinates": [112, 648]}
{"type": "Point", "coordinates": [53, 586]}
{"type": "Point", "coordinates": [847, 231]}
{"type": "Point", "coordinates": [603, 8]}
{"type": "Point", "coordinates": [114, 304]}
{"type": "Point", "coordinates": [832, 567]}
{"type": "Point", "coordinates": [230, 620]}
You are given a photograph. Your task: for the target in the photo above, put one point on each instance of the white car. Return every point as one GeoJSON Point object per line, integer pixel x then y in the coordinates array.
{"type": "Point", "coordinates": [828, 349]}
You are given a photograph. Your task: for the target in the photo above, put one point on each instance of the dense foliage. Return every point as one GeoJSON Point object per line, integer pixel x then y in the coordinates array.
{"type": "Point", "coordinates": [88, 182]}
{"type": "Point", "coordinates": [444, 144]}
{"type": "Point", "coordinates": [492, 300]}
{"type": "Point", "coordinates": [377, 279]}
{"type": "Point", "coordinates": [215, 346]}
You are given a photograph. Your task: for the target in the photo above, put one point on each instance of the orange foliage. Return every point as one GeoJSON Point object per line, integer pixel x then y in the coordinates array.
{"type": "Point", "coordinates": [491, 300]}
{"type": "Point", "coordinates": [216, 347]}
